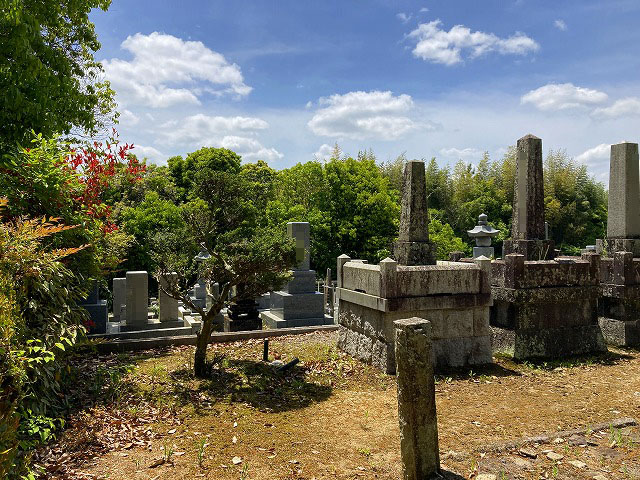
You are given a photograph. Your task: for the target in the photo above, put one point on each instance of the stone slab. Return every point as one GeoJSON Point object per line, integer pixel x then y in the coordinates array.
{"type": "Point", "coordinates": [303, 281]}
{"type": "Point", "coordinates": [99, 314]}
{"type": "Point", "coordinates": [168, 304]}
{"type": "Point", "coordinates": [620, 333]}
{"type": "Point", "coordinates": [137, 297]}
{"type": "Point", "coordinates": [119, 296]}
{"type": "Point", "coordinates": [270, 320]}
{"type": "Point", "coordinates": [624, 192]}
{"type": "Point", "coordinates": [301, 305]}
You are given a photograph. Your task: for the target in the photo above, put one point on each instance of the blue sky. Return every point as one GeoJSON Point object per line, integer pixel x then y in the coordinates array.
{"type": "Point", "coordinates": [284, 81]}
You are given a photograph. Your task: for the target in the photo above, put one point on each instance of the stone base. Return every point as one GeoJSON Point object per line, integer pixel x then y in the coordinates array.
{"type": "Point", "coordinates": [152, 324]}
{"type": "Point", "coordinates": [612, 245]}
{"type": "Point", "coordinates": [303, 281]}
{"type": "Point", "coordinates": [299, 305]}
{"type": "Point", "coordinates": [620, 333]}
{"type": "Point", "coordinates": [531, 249]}
{"type": "Point", "coordinates": [99, 314]}
{"type": "Point", "coordinates": [488, 252]}
{"type": "Point", "coordinates": [548, 343]}
{"type": "Point", "coordinates": [242, 324]}
{"type": "Point", "coordinates": [272, 320]}
{"type": "Point", "coordinates": [414, 253]}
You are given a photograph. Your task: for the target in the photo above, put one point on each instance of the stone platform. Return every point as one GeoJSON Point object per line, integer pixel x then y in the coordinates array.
{"type": "Point", "coordinates": [619, 307]}
{"type": "Point", "coordinates": [454, 297]}
{"type": "Point", "coordinates": [546, 308]}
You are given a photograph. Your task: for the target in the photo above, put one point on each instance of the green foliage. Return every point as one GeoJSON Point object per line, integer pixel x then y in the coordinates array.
{"type": "Point", "coordinates": [444, 238]}
{"type": "Point", "coordinates": [39, 320]}
{"type": "Point", "coordinates": [48, 75]}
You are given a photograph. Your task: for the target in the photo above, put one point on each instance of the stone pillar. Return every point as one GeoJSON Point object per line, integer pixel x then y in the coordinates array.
{"type": "Point", "coordinates": [301, 233]}
{"type": "Point", "coordinates": [168, 304]}
{"type": "Point", "coordinates": [623, 224]}
{"type": "Point", "coordinates": [623, 272]}
{"type": "Point", "coordinates": [514, 269]}
{"type": "Point", "coordinates": [528, 201]}
{"type": "Point", "coordinates": [416, 399]}
{"type": "Point", "coordinates": [413, 246]}
{"type": "Point", "coordinates": [485, 272]}
{"type": "Point", "coordinates": [137, 298]}
{"type": "Point", "coordinates": [528, 234]}
{"type": "Point", "coordinates": [342, 259]}
{"type": "Point", "coordinates": [119, 297]}
{"type": "Point", "coordinates": [388, 278]}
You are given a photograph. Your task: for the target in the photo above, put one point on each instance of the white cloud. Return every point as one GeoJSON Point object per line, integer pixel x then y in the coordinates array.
{"type": "Point", "coordinates": [424, 10]}
{"type": "Point", "coordinates": [324, 152]}
{"type": "Point", "coordinates": [595, 156]}
{"type": "Point", "coordinates": [560, 25]}
{"type": "Point", "coordinates": [127, 117]}
{"type": "Point", "coordinates": [148, 152]}
{"type": "Point", "coordinates": [166, 70]}
{"type": "Point", "coordinates": [250, 148]}
{"type": "Point", "coordinates": [403, 17]}
{"type": "Point", "coordinates": [359, 115]}
{"type": "Point", "coordinates": [439, 46]}
{"type": "Point", "coordinates": [204, 129]}
{"type": "Point", "coordinates": [464, 153]}
{"type": "Point", "coordinates": [563, 96]}
{"type": "Point", "coordinates": [235, 133]}
{"type": "Point", "coordinates": [625, 107]}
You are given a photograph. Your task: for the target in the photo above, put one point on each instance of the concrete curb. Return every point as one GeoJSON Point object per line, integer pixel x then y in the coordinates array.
{"type": "Point", "coordinates": [128, 345]}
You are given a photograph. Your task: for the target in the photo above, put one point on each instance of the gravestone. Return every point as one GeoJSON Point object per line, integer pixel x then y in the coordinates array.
{"type": "Point", "coordinates": [137, 298]}
{"type": "Point", "coordinates": [168, 304]}
{"type": "Point", "coordinates": [528, 235]}
{"type": "Point", "coordinates": [298, 304]}
{"type": "Point", "coordinates": [413, 246]}
{"type": "Point", "coordinates": [119, 297]}
{"type": "Point", "coordinates": [416, 399]}
{"type": "Point", "coordinates": [623, 222]}
{"type": "Point", "coordinates": [97, 309]}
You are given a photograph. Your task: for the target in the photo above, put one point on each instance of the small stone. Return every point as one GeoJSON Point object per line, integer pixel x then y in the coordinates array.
{"type": "Point", "coordinates": [600, 476]}
{"type": "Point", "coordinates": [528, 452]}
{"type": "Point", "coordinates": [578, 464]}
{"type": "Point", "coordinates": [521, 462]}
{"type": "Point", "coordinates": [554, 456]}
{"type": "Point", "coordinates": [486, 476]}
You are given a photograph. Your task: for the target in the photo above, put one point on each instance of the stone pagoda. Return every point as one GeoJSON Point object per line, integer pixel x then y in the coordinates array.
{"type": "Point", "coordinates": [483, 233]}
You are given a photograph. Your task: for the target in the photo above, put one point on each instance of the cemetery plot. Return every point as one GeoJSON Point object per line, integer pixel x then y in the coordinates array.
{"type": "Point", "coordinates": [332, 417]}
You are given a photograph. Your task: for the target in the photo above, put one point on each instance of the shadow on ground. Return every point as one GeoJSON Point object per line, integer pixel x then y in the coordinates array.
{"type": "Point", "coordinates": [255, 383]}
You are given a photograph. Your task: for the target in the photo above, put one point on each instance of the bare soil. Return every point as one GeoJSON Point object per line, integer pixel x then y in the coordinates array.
{"type": "Point", "coordinates": [331, 417]}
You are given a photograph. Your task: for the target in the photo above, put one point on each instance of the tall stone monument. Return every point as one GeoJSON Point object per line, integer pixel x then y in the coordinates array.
{"type": "Point", "coordinates": [623, 223]}
{"type": "Point", "coordinates": [413, 246]}
{"type": "Point", "coordinates": [137, 298]}
{"type": "Point", "coordinates": [528, 229]}
{"type": "Point", "coordinates": [298, 304]}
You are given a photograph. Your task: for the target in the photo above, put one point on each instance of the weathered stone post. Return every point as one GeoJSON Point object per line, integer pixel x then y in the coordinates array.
{"type": "Point", "coordinates": [528, 227]}
{"type": "Point", "coordinates": [485, 271]}
{"type": "Point", "coordinates": [416, 399]}
{"type": "Point", "coordinates": [119, 297]}
{"type": "Point", "coordinates": [168, 304]}
{"type": "Point", "coordinates": [413, 246]}
{"type": "Point", "coordinates": [137, 298]}
{"type": "Point", "coordinates": [388, 278]}
{"type": "Point", "coordinates": [514, 269]}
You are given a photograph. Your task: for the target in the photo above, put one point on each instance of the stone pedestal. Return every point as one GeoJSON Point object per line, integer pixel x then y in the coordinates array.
{"type": "Point", "coordinates": [455, 297]}
{"type": "Point", "coordinates": [242, 315]}
{"type": "Point", "coordinates": [619, 306]}
{"type": "Point", "coordinates": [168, 304]}
{"type": "Point", "coordinates": [97, 309]}
{"type": "Point", "coordinates": [137, 298]}
{"type": "Point", "coordinates": [488, 252]}
{"type": "Point", "coordinates": [119, 297]}
{"type": "Point", "coordinates": [416, 399]}
{"type": "Point", "coordinates": [298, 304]}
{"type": "Point", "coordinates": [546, 309]}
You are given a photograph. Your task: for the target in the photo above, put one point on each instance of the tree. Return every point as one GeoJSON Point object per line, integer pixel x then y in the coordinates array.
{"type": "Point", "coordinates": [224, 221]}
{"type": "Point", "coordinates": [48, 75]}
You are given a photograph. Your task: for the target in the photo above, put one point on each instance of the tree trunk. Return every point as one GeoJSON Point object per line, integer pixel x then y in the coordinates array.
{"type": "Point", "coordinates": [200, 367]}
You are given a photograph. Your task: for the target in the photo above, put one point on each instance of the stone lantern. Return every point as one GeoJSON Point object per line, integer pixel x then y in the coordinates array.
{"type": "Point", "coordinates": [200, 288]}
{"type": "Point", "coordinates": [483, 233]}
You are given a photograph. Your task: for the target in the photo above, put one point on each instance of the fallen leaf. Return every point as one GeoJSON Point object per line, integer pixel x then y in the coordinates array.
{"type": "Point", "coordinates": [157, 463]}
{"type": "Point", "coordinates": [172, 431]}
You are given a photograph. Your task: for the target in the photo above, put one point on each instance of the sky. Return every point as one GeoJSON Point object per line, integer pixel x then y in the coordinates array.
{"type": "Point", "coordinates": [284, 81]}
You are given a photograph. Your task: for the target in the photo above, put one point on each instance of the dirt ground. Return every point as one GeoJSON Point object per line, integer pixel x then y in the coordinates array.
{"type": "Point", "coordinates": [331, 417]}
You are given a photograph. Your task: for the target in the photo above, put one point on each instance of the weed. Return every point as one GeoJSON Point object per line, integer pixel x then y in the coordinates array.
{"type": "Point", "coordinates": [201, 446]}
{"type": "Point", "coordinates": [245, 472]}
{"type": "Point", "coordinates": [554, 470]}
{"type": "Point", "coordinates": [365, 452]}
{"type": "Point", "coordinates": [167, 452]}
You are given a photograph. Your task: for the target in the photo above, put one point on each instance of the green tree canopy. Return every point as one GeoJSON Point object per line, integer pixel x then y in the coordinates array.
{"type": "Point", "coordinates": [49, 79]}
